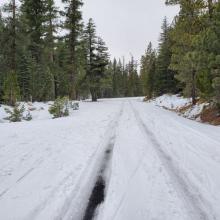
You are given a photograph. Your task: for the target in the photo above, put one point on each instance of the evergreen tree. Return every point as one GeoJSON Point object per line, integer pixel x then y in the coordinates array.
{"type": "Point", "coordinates": [107, 82]}
{"type": "Point", "coordinates": [207, 47]}
{"type": "Point", "coordinates": [115, 82]}
{"type": "Point", "coordinates": [51, 28]}
{"type": "Point", "coordinates": [124, 79]}
{"type": "Point", "coordinates": [98, 69]}
{"type": "Point", "coordinates": [165, 81]}
{"type": "Point", "coordinates": [2, 59]}
{"type": "Point", "coordinates": [37, 17]}
{"type": "Point", "coordinates": [11, 89]}
{"type": "Point", "coordinates": [34, 19]}
{"type": "Point", "coordinates": [97, 59]}
{"type": "Point", "coordinates": [148, 68]}
{"type": "Point", "coordinates": [24, 76]}
{"type": "Point", "coordinates": [73, 24]}
{"type": "Point", "coordinates": [187, 27]}
{"type": "Point", "coordinates": [133, 79]}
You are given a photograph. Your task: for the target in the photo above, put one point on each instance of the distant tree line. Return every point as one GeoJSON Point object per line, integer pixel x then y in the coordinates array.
{"type": "Point", "coordinates": [38, 63]}
{"type": "Point", "coordinates": [188, 58]}
{"type": "Point", "coordinates": [47, 53]}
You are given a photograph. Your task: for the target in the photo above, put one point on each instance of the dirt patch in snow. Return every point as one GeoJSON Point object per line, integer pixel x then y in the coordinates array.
{"type": "Point", "coordinates": [211, 115]}
{"type": "Point", "coordinates": [185, 108]}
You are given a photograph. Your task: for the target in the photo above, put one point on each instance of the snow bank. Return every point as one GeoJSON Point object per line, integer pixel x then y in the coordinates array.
{"type": "Point", "coordinates": [38, 111]}
{"type": "Point", "coordinates": [181, 105]}
{"type": "Point", "coordinates": [173, 102]}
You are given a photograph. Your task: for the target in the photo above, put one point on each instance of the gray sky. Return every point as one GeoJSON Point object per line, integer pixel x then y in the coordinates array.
{"type": "Point", "coordinates": [126, 25]}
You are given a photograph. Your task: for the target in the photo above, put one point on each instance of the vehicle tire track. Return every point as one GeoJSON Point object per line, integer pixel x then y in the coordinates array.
{"type": "Point", "coordinates": [90, 174]}
{"type": "Point", "coordinates": [196, 204]}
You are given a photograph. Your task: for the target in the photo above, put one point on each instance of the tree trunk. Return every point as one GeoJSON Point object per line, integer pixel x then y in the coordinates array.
{"type": "Point", "coordinates": [55, 87]}
{"type": "Point", "coordinates": [194, 88]}
{"type": "Point", "coordinates": [93, 94]}
{"type": "Point", "coordinates": [13, 64]}
{"type": "Point", "coordinates": [52, 55]}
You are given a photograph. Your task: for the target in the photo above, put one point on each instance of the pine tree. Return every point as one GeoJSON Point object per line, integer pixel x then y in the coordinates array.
{"type": "Point", "coordinates": [11, 89]}
{"type": "Point", "coordinates": [51, 29]}
{"type": "Point", "coordinates": [98, 69]}
{"type": "Point", "coordinates": [133, 83]}
{"type": "Point", "coordinates": [73, 25]}
{"type": "Point", "coordinates": [165, 81]}
{"type": "Point", "coordinates": [148, 68]}
{"type": "Point", "coordinates": [2, 60]}
{"type": "Point", "coordinates": [187, 26]}
{"type": "Point", "coordinates": [107, 82]}
{"type": "Point", "coordinates": [97, 61]}
{"type": "Point", "coordinates": [34, 18]}
{"type": "Point", "coordinates": [115, 85]}
{"type": "Point", "coordinates": [24, 75]}
{"type": "Point", "coordinates": [62, 67]}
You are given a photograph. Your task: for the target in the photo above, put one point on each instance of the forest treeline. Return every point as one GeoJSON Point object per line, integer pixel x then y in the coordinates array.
{"type": "Point", "coordinates": [188, 58]}
{"type": "Point", "coordinates": [47, 53]}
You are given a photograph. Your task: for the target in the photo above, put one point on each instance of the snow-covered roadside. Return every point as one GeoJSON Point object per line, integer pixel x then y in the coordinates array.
{"type": "Point", "coordinates": [172, 102]}
{"type": "Point", "coordinates": [38, 111]}
{"type": "Point", "coordinates": [43, 162]}
{"type": "Point", "coordinates": [180, 105]}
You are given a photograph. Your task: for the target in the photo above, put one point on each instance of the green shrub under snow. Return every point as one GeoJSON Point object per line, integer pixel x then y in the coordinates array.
{"type": "Point", "coordinates": [74, 105]}
{"type": "Point", "coordinates": [16, 114]}
{"type": "Point", "coordinates": [60, 108]}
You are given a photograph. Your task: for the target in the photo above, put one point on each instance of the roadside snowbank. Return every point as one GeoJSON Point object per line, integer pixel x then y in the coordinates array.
{"type": "Point", "coordinates": [172, 102]}
{"type": "Point", "coordinates": [180, 105]}
{"type": "Point", "coordinates": [38, 111]}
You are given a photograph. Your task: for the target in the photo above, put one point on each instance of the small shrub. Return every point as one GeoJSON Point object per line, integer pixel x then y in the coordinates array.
{"type": "Point", "coordinates": [28, 116]}
{"type": "Point", "coordinates": [60, 108]}
{"type": "Point", "coordinates": [74, 105]}
{"type": "Point", "coordinates": [16, 114]}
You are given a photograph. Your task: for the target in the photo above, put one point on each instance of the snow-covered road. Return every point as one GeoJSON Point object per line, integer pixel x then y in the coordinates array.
{"type": "Point", "coordinates": [162, 166]}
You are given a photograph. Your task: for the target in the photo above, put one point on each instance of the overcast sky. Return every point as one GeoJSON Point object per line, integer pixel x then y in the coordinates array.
{"type": "Point", "coordinates": [127, 25]}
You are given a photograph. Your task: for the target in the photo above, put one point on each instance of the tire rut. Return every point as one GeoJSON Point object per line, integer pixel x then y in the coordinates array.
{"type": "Point", "coordinates": [94, 175]}
{"type": "Point", "coordinates": [198, 208]}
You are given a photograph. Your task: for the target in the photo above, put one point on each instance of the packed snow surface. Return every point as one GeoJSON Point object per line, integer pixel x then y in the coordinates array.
{"type": "Point", "coordinates": [162, 166]}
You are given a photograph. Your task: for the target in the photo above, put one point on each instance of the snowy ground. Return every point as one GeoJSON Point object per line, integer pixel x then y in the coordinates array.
{"type": "Point", "coordinates": [162, 167]}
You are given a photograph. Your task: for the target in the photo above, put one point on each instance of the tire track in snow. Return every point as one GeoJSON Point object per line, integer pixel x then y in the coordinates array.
{"type": "Point", "coordinates": [99, 191]}
{"type": "Point", "coordinates": [196, 204]}
{"type": "Point", "coordinates": [75, 206]}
